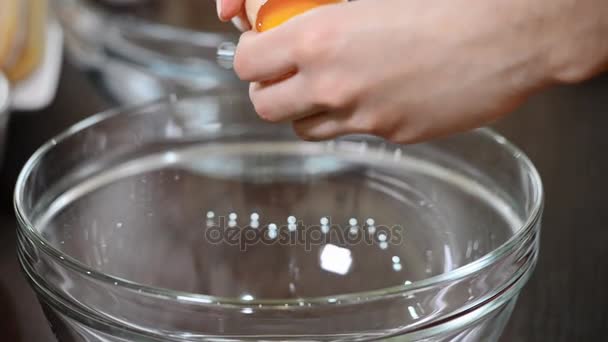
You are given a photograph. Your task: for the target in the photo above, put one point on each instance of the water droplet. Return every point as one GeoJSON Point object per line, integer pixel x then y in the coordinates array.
{"type": "Point", "coordinates": [352, 221]}
{"type": "Point", "coordinates": [119, 225]}
{"type": "Point", "coordinates": [210, 214]}
{"type": "Point", "coordinates": [325, 229]}
{"type": "Point", "coordinates": [254, 216]}
{"type": "Point", "coordinates": [255, 224]}
{"type": "Point", "coordinates": [291, 219]}
{"type": "Point", "coordinates": [413, 312]}
{"type": "Point", "coordinates": [272, 226]}
{"type": "Point", "coordinates": [272, 234]}
{"type": "Point", "coordinates": [382, 237]}
{"type": "Point", "coordinates": [292, 227]}
{"type": "Point", "coordinates": [370, 221]}
{"type": "Point", "coordinates": [396, 259]}
{"type": "Point", "coordinates": [397, 154]}
{"type": "Point", "coordinates": [247, 297]}
{"type": "Point", "coordinates": [397, 267]}
{"type": "Point", "coordinates": [324, 221]}
{"type": "Point", "coordinates": [232, 217]}
{"type": "Point", "coordinates": [383, 245]}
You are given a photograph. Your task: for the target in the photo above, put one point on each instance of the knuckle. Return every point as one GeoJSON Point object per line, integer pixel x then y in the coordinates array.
{"type": "Point", "coordinates": [313, 45]}
{"type": "Point", "coordinates": [242, 63]}
{"type": "Point", "coordinates": [403, 135]}
{"type": "Point", "coordinates": [398, 139]}
{"type": "Point", "coordinates": [304, 132]}
{"type": "Point", "coordinates": [263, 111]}
{"type": "Point", "coordinates": [387, 125]}
{"type": "Point", "coordinates": [260, 106]}
{"type": "Point", "coordinates": [307, 132]}
{"type": "Point", "coordinates": [330, 91]}
{"type": "Point", "coordinates": [241, 66]}
{"type": "Point", "coordinates": [369, 123]}
{"type": "Point", "coordinates": [266, 111]}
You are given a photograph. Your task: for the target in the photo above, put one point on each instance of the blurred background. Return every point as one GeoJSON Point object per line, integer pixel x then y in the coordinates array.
{"type": "Point", "coordinates": [68, 59]}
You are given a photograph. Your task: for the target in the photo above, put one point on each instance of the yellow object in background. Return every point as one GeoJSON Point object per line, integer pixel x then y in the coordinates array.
{"type": "Point", "coordinates": [22, 37]}
{"type": "Point", "coordinates": [10, 15]}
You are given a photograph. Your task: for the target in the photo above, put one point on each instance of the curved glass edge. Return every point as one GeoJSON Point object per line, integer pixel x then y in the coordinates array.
{"type": "Point", "coordinates": [450, 325]}
{"type": "Point", "coordinates": [27, 227]}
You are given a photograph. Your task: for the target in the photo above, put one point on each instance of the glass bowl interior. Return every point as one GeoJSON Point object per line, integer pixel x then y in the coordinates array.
{"type": "Point", "coordinates": [223, 205]}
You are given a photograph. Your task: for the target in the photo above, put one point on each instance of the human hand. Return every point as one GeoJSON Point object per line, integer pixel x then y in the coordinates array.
{"type": "Point", "coordinates": [234, 11]}
{"type": "Point", "coordinates": [411, 70]}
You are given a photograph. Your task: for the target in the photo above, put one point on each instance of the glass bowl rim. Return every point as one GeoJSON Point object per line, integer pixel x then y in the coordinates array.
{"type": "Point", "coordinates": [27, 227]}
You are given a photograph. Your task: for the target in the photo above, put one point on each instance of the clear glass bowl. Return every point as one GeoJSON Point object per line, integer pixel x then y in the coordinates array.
{"type": "Point", "coordinates": [187, 219]}
{"type": "Point", "coordinates": [140, 50]}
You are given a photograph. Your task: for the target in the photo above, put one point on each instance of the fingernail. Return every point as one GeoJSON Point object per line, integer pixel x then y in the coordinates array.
{"type": "Point", "coordinates": [240, 24]}
{"type": "Point", "coordinates": [218, 4]}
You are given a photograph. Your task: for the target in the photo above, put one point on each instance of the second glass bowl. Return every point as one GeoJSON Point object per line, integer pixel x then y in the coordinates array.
{"type": "Point", "coordinates": [141, 50]}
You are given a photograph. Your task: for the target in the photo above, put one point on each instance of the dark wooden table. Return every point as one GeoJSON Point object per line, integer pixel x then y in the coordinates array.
{"type": "Point", "coordinates": [565, 133]}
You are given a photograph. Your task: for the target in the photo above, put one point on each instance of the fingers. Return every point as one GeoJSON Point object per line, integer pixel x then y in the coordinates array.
{"type": "Point", "coordinates": [228, 9]}
{"type": "Point", "coordinates": [261, 57]}
{"type": "Point", "coordinates": [322, 126]}
{"type": "Point", "coordinates": [283, 101]}
{"type": "Point", "coordinates": [241, 22]}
